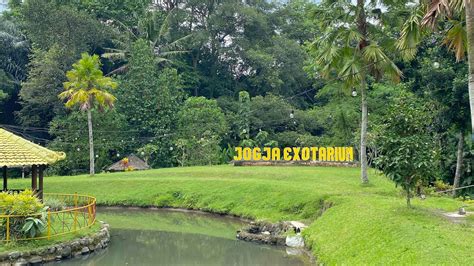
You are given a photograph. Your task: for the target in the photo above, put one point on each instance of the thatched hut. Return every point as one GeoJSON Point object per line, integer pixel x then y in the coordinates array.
{"type": "Point", "coordinates": [129, 163]}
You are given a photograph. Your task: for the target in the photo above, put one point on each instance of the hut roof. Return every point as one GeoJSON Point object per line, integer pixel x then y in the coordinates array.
{"type": "Point", "coordinates": [133, 161]}
{"type": "Point", "coordinates": [16, 151]}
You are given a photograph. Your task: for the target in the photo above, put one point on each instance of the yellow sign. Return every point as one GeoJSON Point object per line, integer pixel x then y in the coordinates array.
{"type": "Point", "coordinates": [327, 154]}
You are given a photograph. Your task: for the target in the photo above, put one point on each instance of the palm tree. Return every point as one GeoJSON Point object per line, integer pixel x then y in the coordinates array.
{"type": "Point", "coordinates": [459, 38]}
{"type": "Point", "coordinates": [88, 88]}
{"type": "Point", "coordinates": [459, 35]}
{"type": "Point", "coordinates": [347, 51]}
{"type": "Point", "coordinates": [14, 47]}
{"type": "Point", "coordinates": [156, 30]}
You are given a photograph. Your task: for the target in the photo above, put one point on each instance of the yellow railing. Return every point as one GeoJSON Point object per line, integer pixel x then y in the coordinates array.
{"type": "Point", "coordinates": [77, 212]}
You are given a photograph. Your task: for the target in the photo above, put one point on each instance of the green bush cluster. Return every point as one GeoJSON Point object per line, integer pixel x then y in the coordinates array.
{"type": "Point", "coordinates": [31, 210]}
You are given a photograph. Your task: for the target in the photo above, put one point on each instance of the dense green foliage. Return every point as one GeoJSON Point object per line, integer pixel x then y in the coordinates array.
{"type": "Point", "coordinates": [23, 204]}
{"type": "Point", "coordinates": [270, 73]}
{"type": "Point", "coordinates": [405, 154]}
{"type": "Point", "coordinates": [365, 225]}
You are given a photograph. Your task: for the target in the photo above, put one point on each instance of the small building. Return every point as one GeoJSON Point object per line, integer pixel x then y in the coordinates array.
{"type": "Point", "coordinates": [129, 163]}
{"type": "Point", "coordinates": [17, 152]}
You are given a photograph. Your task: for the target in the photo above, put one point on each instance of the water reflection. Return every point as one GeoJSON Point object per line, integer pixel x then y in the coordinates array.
{"type": "Point", "coordinates": [173, 238]}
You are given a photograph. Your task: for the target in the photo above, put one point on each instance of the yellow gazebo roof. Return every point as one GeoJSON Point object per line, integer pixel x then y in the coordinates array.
{"type": "Point", "coordinates": [16, 152]}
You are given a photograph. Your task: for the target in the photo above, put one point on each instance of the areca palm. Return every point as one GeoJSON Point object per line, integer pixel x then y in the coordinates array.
{"type": "Point", "coordinates": [154, 28]}
{"type": "Point", "coordinates": [89, 89]}
{"type": "Point", "coordinates": [347, 52]}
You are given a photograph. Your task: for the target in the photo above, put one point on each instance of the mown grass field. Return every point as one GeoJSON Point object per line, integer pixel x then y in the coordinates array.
{"type": "Point", "coordinates": [366, 224]}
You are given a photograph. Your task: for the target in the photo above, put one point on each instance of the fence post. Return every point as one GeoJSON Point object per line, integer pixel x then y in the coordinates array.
{"type": "Point", "coordinates": [89, 209]}
{"type": "Point", "coordinates": [75, 211]}
{"type": "Point", "coordinates": [49, 224]}
{"type": "Point", "coordinates": [8, 229]}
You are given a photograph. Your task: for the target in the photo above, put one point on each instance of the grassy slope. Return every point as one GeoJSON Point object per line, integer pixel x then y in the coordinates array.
{"type": "Point", "coordinates": [367, 224]}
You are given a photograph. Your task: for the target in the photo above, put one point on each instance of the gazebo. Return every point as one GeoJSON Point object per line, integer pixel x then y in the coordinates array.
{"type": "Point", "coordinates": [17, 152]}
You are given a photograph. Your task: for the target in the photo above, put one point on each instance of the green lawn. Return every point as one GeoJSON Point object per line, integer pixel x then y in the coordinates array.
{"type": "Point", "coordinates": [366, 224]}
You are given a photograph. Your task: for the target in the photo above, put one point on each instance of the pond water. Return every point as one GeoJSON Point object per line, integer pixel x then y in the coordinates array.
{"type": "Point", "coordinates": [163, 237]}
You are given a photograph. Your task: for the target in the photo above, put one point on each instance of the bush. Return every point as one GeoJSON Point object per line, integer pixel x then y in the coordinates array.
{"type": "Point", "coordinates": [29, 207]}
{"type": "Point", "coordinates": [55, 204]}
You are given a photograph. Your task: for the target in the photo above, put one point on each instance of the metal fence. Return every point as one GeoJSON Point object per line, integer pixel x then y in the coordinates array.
{"type": "Point", "coordinates": [68, 213]}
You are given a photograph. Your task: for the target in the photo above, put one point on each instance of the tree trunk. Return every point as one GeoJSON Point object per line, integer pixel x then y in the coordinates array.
{"type": "Point", "coordinates": [457, 175]}
{"type": "Point", "coordinates": [91, 144]}
{"type": "Point", "coordinates": [363, 134]}
{"type": "Point", "coordinates": [408, 196]}
{"type": "Point", "coordinates": [469, 6]}
{"type": "Point", "coordinates": [362, 28]}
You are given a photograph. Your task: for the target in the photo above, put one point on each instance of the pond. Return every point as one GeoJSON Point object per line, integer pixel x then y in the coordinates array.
{"type": "Point", "coordinates": [165, 237]}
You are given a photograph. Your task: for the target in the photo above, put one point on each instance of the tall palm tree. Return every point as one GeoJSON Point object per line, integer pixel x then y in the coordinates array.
{"type": "Point", "coordinates": [89, 89]}
{"type": "Point", "coordinates": [347, 51]}
{"type": "Point", "coordinates": [459, 38]}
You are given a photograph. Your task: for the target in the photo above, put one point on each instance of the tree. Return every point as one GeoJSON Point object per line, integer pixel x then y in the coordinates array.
{"type": "Point", "coordinates": [111, 140]}
{"type": "Point", "coordinates": [39, 93]}
{"type": "Point", "coordinates": [444, 81]}
{"type": "Point", "coordinates": [201, 126]}
{"type": "Point", "coordinates": [458, 38]}
{"type": "Point", "coordinates": [150, 98]}
{"type": "Point", "coordinates": [404, 142]}
{"type": "Point", "coordinates": [349, 51]}
{"type": "Point", "coordinates": [89, 89]}
{"type": "Point", "coordinates": [50, 22]}
{"type": "Point", "coordinates": [13, 50]}
{"type": "Point", "coordinates": [13, 59]}
{"type": "Point", "coordinates": [154, 27]}
{"type": "Point", "coordinates": [457, 16]}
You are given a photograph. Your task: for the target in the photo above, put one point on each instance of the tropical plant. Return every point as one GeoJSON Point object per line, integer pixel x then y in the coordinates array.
{"type": "Point", "coordinates": [348, 52]}
{"type": "Point", "coordinates": [14, 48]}
{"type": "Point", "coordinates": [89, 89]}
{"type": "Point", "coordinates": [154, 27]}
{"type": "Point", "coordinates": [34, 226]}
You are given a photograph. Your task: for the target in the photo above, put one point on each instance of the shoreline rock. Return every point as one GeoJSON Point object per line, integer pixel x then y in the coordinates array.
{"type": "Point", "coordinates": [279, 234]}
{"type": "Point", "coordinates": [56, 252]}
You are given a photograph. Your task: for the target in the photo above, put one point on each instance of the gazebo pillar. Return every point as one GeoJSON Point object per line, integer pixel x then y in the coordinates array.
{"type": "Point", "coordinates": [41, 175]}
{"type": "Point", "coordinates": [34, 175]}
{"type": "Point", "coordinates": [5, 184]}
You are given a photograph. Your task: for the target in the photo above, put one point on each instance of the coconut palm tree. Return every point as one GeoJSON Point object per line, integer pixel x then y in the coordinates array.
{"type": "Point", "coordinates": [156, 30]}
{"type": "Point", "coordinates": [89, 89]}
{"type": "Point", "coordinates": [347, 51]}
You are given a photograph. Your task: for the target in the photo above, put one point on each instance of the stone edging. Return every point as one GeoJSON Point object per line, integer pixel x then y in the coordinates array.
{"type": "Point", "coordinates": [77, 247]}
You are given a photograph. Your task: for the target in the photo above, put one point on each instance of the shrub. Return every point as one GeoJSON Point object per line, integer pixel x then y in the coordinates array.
{"type": "Point", "coordinates": [31, 222]}
{"type": "Point", "coordinates": [404, 143]}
